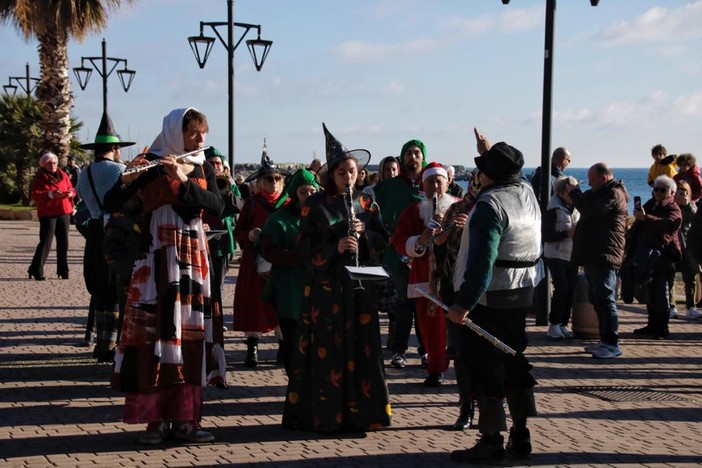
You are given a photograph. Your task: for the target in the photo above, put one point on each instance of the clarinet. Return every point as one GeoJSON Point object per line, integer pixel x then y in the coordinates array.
{"type": "Point", "coordinates": [351, 231]}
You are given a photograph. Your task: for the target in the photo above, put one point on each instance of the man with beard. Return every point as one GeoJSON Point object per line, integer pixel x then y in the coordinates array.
{"type": "Point", "coordinates": [414, 233]}
{"type": "Point", "coordinates": [501, 271]}
{"type": "Point", "coordinates": [393, 196]}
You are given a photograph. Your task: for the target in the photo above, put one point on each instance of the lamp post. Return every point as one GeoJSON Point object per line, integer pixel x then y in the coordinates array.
{"type": "Point", "coordinates": [100, 64]}
{"type": "Point", "coordinates": [542, 300]}
{"type": "Point", "coordinates": [26, 82]}
{"type": "Point", "coordinates": [258, 48]}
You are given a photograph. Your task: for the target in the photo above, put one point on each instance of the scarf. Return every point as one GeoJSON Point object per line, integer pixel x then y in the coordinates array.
{"type": "Point", "coordinates": [170, 140]}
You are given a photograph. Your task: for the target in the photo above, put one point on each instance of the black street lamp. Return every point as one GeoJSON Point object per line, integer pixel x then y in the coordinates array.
{"type": "Point", "coordinates": [543, 303]}
{"type": "Point", "coordinates": [258, 48]}
{"type": "Point", "coordinates": [82, 73]}
{"type": "Point", "coordinates": [27, 83]}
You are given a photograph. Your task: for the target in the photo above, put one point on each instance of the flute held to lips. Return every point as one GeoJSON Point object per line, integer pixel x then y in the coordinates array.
{"type": "Point", "coordinates": [157, 162]}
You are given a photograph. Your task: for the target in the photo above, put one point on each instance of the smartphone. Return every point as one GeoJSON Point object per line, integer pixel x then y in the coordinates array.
{"type": "Point", "coordinates": [637, 203]}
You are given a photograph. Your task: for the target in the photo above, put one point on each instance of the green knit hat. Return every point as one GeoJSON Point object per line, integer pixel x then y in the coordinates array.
{"type": "Point", "coordinates": [299, 178]}
{"type": "Point", "coordinates": [417, 143]}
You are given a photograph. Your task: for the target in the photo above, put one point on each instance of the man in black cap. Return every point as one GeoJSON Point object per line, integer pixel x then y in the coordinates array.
{"type": "Point", "coordinates": [502, 270]}
{"type": "Point", "coordinates": [93, 183]}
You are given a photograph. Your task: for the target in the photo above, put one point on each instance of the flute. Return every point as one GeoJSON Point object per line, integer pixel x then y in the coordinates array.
{"type": "Point", "coordinates": [158, 162]}
{"type": "Point", "coordinates": [468, 323]}
{"type": "Point", "coordinates": [436, 236]}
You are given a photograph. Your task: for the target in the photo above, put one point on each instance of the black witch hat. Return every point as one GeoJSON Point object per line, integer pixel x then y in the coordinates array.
{"type": "Point", "coordinates": [336, 152]}
{"type": "Point", "coordinates": [267, 166]}
{"type": "Point", "coordinates": [106, 135]}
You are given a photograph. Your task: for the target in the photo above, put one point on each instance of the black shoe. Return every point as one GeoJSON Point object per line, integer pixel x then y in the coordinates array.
{"type": "Point", "coordinates": [434, 380]}
{"type": "Point", "coordinates": [519, 443]}
{"type": "Point", "coordinates": [465, 418]}
{"type": "Point", "coordinates": [36, 277]}
{"type": "Point", "coordinates": [63, 276]}
{"type": "Point", "coordinates": [490, 448]}
{"type": "Point", "coordinates": [652, 332]}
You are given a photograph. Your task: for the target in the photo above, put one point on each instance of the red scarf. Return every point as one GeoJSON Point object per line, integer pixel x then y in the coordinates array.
{"type": "Point", "coordinates": [270, 197]}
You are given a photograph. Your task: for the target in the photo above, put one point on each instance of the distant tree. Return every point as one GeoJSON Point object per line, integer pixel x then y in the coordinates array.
{"type": "Point", "coordinates": [21, 145]}
{"type": "Point", "coordinates": [52, 23]}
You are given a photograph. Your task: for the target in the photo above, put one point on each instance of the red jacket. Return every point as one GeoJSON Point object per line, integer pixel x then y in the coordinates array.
{"type": "Point", "coordinates": [408, 229]}
{"type": "Point", "coordinates": [692, 177]}
{"type": "Point", "coordinates": [45, 183]}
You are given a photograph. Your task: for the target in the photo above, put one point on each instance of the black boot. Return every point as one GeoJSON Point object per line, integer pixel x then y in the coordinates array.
{"type": "Point", "coordinates": [519, 442]}
{"type": "Point", "coordinates": [490, 448]}
{"type": "Point", "coordinates": [465, 418]}
{"type": "Point", "coordinates": [251, 359]}
{"type": "Point", "coordinates": [279, 357]}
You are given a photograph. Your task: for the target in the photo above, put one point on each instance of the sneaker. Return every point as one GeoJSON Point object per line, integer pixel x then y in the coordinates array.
{"type": "Point", "coordinates": [607, 352]}
{"type": "Point", "coordinates": [673, 312]}
{"type": "Point", "coordinates": [489, 448]}
{"type": "Point", "coordinates": [567, 334]}
{"type": "Point", "coordinates": [519, 443]}
{"type": "Point", "coordinates": [591, 348]}
{"type": "Point", "coordinates": [192, 432]}
{"type": "Point", "coordinates": [693, 313]}
{"type": "Point", "coordinates": [555, 332]}
{"type": "Point", "coordinates": [155, 433]}
{"type": "Point", "coordinates": [424, 361]}
{"type": "Point", "coordinates": [398, 361]}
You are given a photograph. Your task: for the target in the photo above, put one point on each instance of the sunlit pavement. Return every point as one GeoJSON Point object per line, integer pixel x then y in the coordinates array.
{"type": "Point", "coordinates": [57, 409]}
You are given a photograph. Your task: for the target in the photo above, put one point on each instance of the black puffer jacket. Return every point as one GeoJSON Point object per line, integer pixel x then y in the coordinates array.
{"type": "Point", "coordinates": [600, 235]}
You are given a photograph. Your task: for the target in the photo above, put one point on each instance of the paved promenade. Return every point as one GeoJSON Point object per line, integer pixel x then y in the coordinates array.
{"type": "Point", "coordinates": [56, 408]}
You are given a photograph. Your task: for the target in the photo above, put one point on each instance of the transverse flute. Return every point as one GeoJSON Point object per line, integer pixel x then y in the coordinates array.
{"type": "Point", "coordinates": [468, 323]}
{"type": "Point", "coordinates": [157, 162]}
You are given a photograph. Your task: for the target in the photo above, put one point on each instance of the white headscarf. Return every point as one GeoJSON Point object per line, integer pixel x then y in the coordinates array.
{"type": "Point", "coordinates": [170, 140]}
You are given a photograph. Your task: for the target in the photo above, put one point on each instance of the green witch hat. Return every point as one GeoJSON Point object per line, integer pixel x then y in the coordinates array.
{"type": "Point", "coordinates": [106, 135]}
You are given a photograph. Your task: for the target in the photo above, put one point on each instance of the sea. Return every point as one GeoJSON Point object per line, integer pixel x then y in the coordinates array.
{"type": "Point", "coordinates": [634, 180]}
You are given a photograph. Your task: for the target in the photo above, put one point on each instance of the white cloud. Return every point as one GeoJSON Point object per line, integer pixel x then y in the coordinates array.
{"type": "Point", "coordinates": [366, 51]}
{"type": "Point", "coordinates": [657, 24]}
{"type": "Point", "coordinates": [511, 20]}
{"type": "Point", "coordinates": [395, 87]}
{"type": "Point", "coordinates": [521, 19]}
{"type": "Point", "coordinates": [689, 105]}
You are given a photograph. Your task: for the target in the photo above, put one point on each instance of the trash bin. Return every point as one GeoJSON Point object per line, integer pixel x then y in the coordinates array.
{"type": "Point", "coordinates": [584, 317]}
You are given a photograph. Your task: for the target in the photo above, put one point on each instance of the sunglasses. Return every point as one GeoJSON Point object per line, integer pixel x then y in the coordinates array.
{"type": "Point", "coordinates": [660, 189]}
{"type": "Point", "coordinates": [273, 178]}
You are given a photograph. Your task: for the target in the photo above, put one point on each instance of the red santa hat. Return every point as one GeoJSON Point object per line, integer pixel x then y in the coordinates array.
{"type": "Point", "coordinates": [433, 168]}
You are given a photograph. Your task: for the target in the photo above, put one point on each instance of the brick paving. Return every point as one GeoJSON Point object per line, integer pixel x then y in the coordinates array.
{"type": "Point", "coordinates": [57, 409]}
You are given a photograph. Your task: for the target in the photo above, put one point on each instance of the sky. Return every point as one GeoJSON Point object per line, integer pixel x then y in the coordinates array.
{"type": "Point", "coordinates": [381, 72]}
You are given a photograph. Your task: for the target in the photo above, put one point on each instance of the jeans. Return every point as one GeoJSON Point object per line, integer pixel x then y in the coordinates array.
{"type": "Point", "coordinates": [564, 276]}
{"type": "Point", "coordinates": [602, 285]}
{"type": "Point", "coordinates": [404, 311]}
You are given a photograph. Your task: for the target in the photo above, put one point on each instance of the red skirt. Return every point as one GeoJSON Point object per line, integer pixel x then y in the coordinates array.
{"type": "Point", "coordinates": [251, 314]}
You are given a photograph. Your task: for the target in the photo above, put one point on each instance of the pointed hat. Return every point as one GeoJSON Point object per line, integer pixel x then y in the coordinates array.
{"type": "Point", "coordinates": [336, 152]}
{"type": "Point", "coordinates": [267, 166]}
{"type": "Point", "coordinates": [106, 135]}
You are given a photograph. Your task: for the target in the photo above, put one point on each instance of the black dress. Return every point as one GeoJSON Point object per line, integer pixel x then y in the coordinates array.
{"type": "Point", "coordinates": [337, 379]}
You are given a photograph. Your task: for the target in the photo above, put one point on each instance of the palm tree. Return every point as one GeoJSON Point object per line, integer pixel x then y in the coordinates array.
{"type": "Point", "coordinates": [52, 23]}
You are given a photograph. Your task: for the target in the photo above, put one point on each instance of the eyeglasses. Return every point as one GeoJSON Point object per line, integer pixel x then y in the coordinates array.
{"type": "Point", "coordinates": [273, 178]}
{"type": "Point", "coordinates": [661, 189]}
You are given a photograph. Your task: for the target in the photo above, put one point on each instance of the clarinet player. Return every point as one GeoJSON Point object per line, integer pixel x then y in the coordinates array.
{"type": "Point", "coordinates": [337, 379]}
